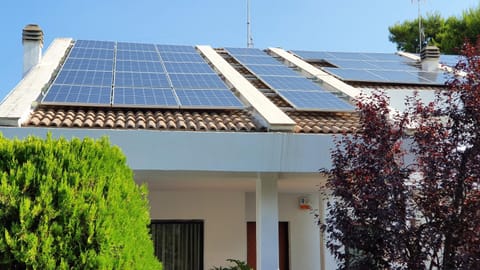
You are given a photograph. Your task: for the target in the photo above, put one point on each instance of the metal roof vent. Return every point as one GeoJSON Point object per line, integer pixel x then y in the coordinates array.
{"type": "Point", "coordinates": [32, 40]}
{"type": "Point", "coordinates": [32, 32]}
{"type": "Point", "coordinates": [430, 57]}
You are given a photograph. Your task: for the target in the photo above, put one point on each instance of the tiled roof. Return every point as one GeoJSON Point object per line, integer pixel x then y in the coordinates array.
{"type": "Point", "coordinates": [325, 122]}
{"type": "Point", "coordinates": [74, 117]}
{"type": "Point", "coordinates": [237, 121]}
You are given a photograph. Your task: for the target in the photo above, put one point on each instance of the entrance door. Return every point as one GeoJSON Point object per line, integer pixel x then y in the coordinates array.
{"type": "Point", "coordinates": [283, 246]}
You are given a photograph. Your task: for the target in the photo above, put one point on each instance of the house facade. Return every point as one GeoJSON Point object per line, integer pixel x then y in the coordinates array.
{"type": "Point", "coordinates": [230, 141]}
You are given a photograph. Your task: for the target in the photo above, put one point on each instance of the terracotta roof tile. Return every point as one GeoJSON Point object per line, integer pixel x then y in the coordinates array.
{"type": "Point", "coordinates": [71, 117]}
{"type": "Point", "coordinates": [324, 122]}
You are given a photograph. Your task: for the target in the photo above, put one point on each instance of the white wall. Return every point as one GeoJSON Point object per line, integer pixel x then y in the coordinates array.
{"type": "Point", "coordinates": [223, 214]}
{"type": "Point", "coordinates": [304, 234]}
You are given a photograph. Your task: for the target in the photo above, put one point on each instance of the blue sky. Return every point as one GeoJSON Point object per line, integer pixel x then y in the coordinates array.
{"type": "Point", "coordinates": [341, 25]}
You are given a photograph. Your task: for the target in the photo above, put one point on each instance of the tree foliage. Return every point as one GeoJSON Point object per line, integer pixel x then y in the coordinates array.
{"type": "Point", "coordinates": [71, 205]}
{"type": "Point", "coordinates": [448, 34]}
{"type": "Point", "coordinates": [408, 198]}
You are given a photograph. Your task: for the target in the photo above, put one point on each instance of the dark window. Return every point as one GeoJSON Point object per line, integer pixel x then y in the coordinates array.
{"type": "Point", "coordinates": [178, 243]}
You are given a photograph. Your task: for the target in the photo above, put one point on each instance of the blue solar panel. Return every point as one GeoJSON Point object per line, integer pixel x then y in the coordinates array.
{"type": "Point", "coordinates": [313, 55]}
{"type": "Point", "coordinates": [388, 65]}
{"type": "Point", "coordinates": [66, 94]}
{"type": "Point", "coordinates": [390, 57]}
{"type": "Point", "coordinates": [82, 77]}
{"type": "Point", "coordinates": [176, 48]}
{"type": "Point", "coordinates": [197, 81]}
{"type": "Point", "coordinates": [246, 51]}
{"type": "Point", "coordinates": [395, 76]}
{"type": "Point", "coordinates": [150, 80]}
{"type": "Point", "coordinates": [272, 70]}
{"type": "Point", "coordinates": [126, 46]}
{"type": "Point", "coordinates": [91, 53]}
{"type": "Point", "coordinates": [95, 44]}
{"type": "Point", "coordinates": [88, 64]}
{"type": "Point", "coordinates": [449, 59]}
{"type": "Point", "coordinates": [139, 66]}
{"type": "Point", "coordinates": [222, 98]}
{"type": "Point", "coordinates": [137, 56]}
{"type": "Point", "coordinates": [257, 60]}
{"type": "Point", "coordinates": [182, 57]}
{"type": "Point", "coordinates": [290, 83]}
{"type": "Point", "coordinates": [375, 67]}
{"type": "Point", "coordinates": [314, 100]}
{"type": "Point", "coordinates": [144, 97]}
{"type": "Point", "coordinates": [135, 75]}
{"type": "Point", "coordinates": [355, 75]}
{"type": "Point", "coordinates": [197, 68]}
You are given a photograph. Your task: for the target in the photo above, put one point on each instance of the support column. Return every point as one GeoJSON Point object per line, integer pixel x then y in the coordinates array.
{"type": "Point", "coordinates": [267, 221]}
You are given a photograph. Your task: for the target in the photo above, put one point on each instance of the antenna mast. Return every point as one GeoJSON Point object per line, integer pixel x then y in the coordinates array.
{"type": "Point", "coordinates": [420, 29]}
{"type": "Point", "coordinates": [249, 31]}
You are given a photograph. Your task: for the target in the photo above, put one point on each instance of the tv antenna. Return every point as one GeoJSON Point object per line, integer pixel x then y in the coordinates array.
{"type": "Point", "coordinates": [421, 33]}
{"type": "Point", "coordinates": [249, 30]}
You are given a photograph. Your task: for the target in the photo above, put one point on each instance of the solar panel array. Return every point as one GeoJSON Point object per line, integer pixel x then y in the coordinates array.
{"type": "Point", "coordinates": [374, 67]}
{"type": "Point", "coordinates": [300, 92]}
{"type": "Point", "coordinates": [124, 74]}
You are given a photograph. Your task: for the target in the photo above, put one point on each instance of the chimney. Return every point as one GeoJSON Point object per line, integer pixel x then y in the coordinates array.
{"type": "Point", "coordinates": [430, 58]}
{"type": "Point", "coordinates": [32, 40]}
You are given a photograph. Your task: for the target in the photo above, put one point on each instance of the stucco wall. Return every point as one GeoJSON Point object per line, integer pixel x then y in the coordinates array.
{"type": "Point", "coordinates": [222, 212]}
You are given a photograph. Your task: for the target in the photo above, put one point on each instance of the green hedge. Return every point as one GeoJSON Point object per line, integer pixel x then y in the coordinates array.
{"type": "Point", "coordinates": [71, 205]}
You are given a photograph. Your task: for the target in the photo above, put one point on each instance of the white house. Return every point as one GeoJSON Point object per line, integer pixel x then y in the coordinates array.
{"type": "Point", "coordinates": [229, 140]}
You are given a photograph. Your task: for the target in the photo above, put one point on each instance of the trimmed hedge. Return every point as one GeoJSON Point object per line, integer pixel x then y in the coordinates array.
{"type": "Point", "coordinates": [71, 205]}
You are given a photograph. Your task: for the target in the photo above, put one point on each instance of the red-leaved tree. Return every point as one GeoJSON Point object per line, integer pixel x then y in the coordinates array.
{"type": "Point", "coordinates": [447, 151]}
{"type": "Point", "coordinates": [387, 213]}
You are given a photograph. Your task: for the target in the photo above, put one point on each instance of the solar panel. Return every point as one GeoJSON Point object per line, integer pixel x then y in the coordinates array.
{"type": "Point", "coordinates": [374, 67]}
{"type": "Point", "coordinates": [144, 96]}
{"type": "Point", "coordinates": [196, 81]}
{"type": "Point", "coordinates": [182, 57]}
{"type": "Point", "coordinates": [300, 92]}
{"type": "Point", "coordinates": [449, 60]}
{"type": "Point", "coordinates": [355, 75]}
{"type": "Point", "coordinates": [341, 63]}
{"type": "Point", "coordinates": [246, 51]}
{"type": "Point", "coordinates": [123, 74]}
{"type": "Point", "coordinates": [272, 70]}
{"type": "Point", "coordinates": [223, 98]}
{"type": "Point", "coordinates": [384, 57]}
{"type": "Point", "coordinates": [313, 55]}
{"type": "Point", "coordinates": [91, 53]}
{"type": "Point", "coordinates": [95, 44]}
{"type": "Point", "coordinates": [176, 48]}
{"type": "Point", "coordinates": [126, 46]}
{"type": "Point", "coordinates": [82, 94]}
{"type": "Point", "coordinates": [315, 100]}
{"type": "Point", "coordinates": [290, 83]}
{"type": "Point", "coordinates": [197, 68]}
{"type": "Point", "coordinates": [257, 60]}
{"type": "Point", "coordinates": [88, 64]}
{"type": "Point", "coordinates": [150, 80]}
{"type": "Point", "coordinates": [137, 56]}
{"type": "Point", "coordinates": [85, 77]}
{"type": "Point", "coordinates": [139, 66]}
{"type": "Point", "coordinates": [389, 65]}
{"type": "Point", "coordinates": [398, 76]}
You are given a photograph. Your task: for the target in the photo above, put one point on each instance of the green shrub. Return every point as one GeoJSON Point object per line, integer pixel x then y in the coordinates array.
{"type": "Point", "coordinates": [71, 205]}
{"type": "Point", "coordinates": [238, 265]}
